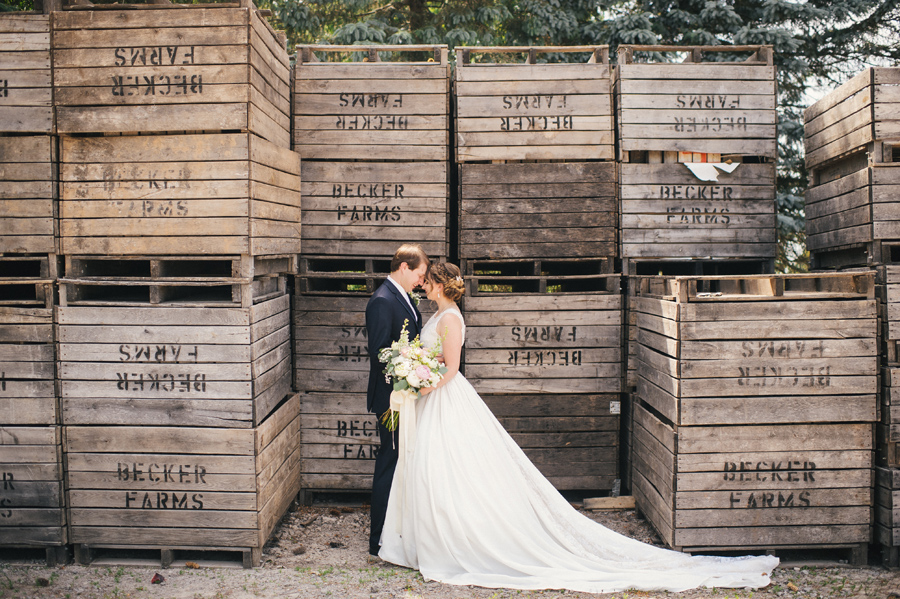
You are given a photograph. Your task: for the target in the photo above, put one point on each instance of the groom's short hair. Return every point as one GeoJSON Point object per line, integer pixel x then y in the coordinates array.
{"type": "Point", "coordinates": [412, 254]}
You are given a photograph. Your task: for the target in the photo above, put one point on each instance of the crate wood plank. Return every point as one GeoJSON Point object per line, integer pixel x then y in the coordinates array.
{"type": "Point", "coordinates": [178, 59]}
{"type": "Point", "coordinates": [157, 205]}
{"type": "Point", "coordinates": [345, 111]}
{"type": "Point", "coordinates": [105, 535]}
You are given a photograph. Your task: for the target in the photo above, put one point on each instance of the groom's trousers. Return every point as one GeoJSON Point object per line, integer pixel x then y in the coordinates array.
{"type": "Point", "coordinates": [385, 464]}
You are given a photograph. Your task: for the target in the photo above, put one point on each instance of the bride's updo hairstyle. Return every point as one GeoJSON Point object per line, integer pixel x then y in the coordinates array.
{"type": "Point", "coordinates": [449, 276]}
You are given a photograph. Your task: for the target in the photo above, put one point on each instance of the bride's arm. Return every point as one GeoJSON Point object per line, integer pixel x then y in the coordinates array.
{"type": "Point", "coordinates": [450, 328]}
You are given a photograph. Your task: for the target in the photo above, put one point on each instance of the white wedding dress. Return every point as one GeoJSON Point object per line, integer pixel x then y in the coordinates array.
{"type": "Point", "coordinates": [467, 507]}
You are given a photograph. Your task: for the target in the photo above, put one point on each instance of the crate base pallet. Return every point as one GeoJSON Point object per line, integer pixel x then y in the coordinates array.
{"type": "Point", "coordinates": [572, 439]}
{"type": "Point", "coordinates": [887, 515]}
{"type": "Point", "coordinates": [763, 486]}
{"type": "Point", "coordinates": [28, 191]}
{"type": "Point", "coordinates": [183, 487]}
{"type": "Point", "coordinates": [370, 208]}
{"type": "Point", "coordinates": [166, 557]}
{"type": "Point", "coordinates": [174, 280]}
{"type": "Point", "coordinates": [697, 266]}
{"type": "Point", "coordinates": [328, 275]}
{"type": "Point", "coordinates": [516, 275]}
{"type": "Point", "coordinates": [856, 554]}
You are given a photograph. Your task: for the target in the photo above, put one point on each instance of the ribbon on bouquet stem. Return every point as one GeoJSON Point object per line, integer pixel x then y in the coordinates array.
{"type": "Point", "coordinates": [404, 402]}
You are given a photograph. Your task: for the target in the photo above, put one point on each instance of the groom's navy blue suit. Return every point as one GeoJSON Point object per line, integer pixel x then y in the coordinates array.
{"type": "Point", "coordinates": [385, 314]}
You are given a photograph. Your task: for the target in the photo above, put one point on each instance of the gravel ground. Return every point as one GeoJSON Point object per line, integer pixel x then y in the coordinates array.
{"type": "Point", "coordinates": [321, 551]}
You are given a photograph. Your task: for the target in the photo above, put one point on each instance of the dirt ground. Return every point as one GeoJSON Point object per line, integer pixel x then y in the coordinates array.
{"type": "Point", "coordinates": [321, 551]}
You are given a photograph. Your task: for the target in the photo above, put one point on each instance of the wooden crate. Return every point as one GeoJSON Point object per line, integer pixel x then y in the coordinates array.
{"type": "Point", "coordinates": [210, 68]}
{"type": "Point", "coordinates": [225, 193]}
{"type": "Point", "coordinates": [851, 206]}
{"type": "Point", "coordinates": [32, 504]}
{"type": "Point", "coordinates": [370, 208]}
{"type": "Point", "coordinates": [857, 114]}
{"type": "Point", "coordinates": [28, 193]}
{"type": "Point", "coordinates": [33, 508]}
{"type": "Point", "coordinates": [357, 110]}
{"type": "Point", "coordinates": [340, 441]}
{"type": "Point", "coordinates": [26, 91]}
{"type": "Point", "coordinates": [549, 340]}
{"type": "Point", "coordinates": [764, 349]}
{"type": "Point", "coordinates": [529, 111]}
{"type": "Point", "coordinates": [887, 514]}
{"type": "Point", "coordinates": [27, 343]}
{"type": "Point", "coordinates": [754, 487]}
{"type": "Point", "coordinates": [573, 439]}
{"type": "Point", "coordinates": [174, 366]}
{"type": "Point", "coordinates": [330, 344]}
{"type": "Point", "coordinates": [667, 212]}
{"type": "Point", "coordinates": [552, 210]}
{"type": "Point", "coordinates": [697, 106]}
{"type": "Point", "coordinates": [179, 487]}
{"type": "Point", "coordinates": [888, 429]}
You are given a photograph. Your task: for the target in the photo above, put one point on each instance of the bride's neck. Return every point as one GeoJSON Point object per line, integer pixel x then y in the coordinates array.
{"type": "Point", "coordinates": [444, 303]}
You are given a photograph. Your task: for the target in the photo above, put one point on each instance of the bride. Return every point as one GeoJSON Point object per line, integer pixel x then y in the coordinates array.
{"type": "Point", "coordinates": [467, 507]}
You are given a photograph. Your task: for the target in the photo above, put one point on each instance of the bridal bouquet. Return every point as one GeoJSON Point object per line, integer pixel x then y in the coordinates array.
{"type": "Point", "coordinates": [411, 367]}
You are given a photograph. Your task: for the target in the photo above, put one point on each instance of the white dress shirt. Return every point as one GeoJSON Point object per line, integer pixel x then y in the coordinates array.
{"type": "Point", "coordinates": [403, 293]}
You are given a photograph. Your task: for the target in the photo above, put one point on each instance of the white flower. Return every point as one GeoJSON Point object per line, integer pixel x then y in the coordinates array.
{"type": "Point", "coordinates": [413, 380]}
{"type": "Point", "coordinates": [401, 370]}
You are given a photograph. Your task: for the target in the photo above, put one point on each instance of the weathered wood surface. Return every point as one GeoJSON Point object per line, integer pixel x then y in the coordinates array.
{"type": "Point", "coordinates": [553, 210]}
{"type": "Point", "coordinates": [211, 367]}
{"type": "Point", "coordinates": [211, 69]}
{"type": "Point", "coordinates": [555, 345]}
{"type": "Point", "coordinates": [779, 485]}
{"type": "Point", "coordinates": [232, 193]}
{"type": "Point", "coordinates": [33, 510]}
{"type": "Point", "coordinates": [861, 111]}
{"type": "Point", "coordinates": [361, 110]}
{"type": "Point", "coordinates": [26, 91]}
{"type": "Point", "coordinates": [180, 485]}
{"type": "Point", "coordinates": [534, 112]}
{"type": "Point", "coordinates": [28, 394]}
{"type": "Point", "coordinates": [369, 208]}
{"type": "Point", "coordinates": [28, 192]}
{"type": "Point", "coordinates": [725, 108]}
{"type": "Point", "coordinates": [666, 212]}
{"type": "Point", "coordinates": [762, 362]}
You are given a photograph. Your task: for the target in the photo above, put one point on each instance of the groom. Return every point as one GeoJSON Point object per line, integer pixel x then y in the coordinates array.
{"type": "Point", "coordinates": [386, 312]}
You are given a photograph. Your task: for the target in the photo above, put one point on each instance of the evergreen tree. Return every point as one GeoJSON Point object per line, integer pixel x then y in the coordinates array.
{"type": "Point", "coordinates": [818, 43]}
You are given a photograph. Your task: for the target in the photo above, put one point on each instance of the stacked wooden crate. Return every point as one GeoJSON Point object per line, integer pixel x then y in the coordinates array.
{"type": "Point", "coordinates": [179, 224]}
{"type": "Point", "coordinates": [674, 115]}
{"type": "Point", "coordinates": [32, 501]}
{"type": "Point", "coordinates": [852, 221]}
{"type": "Point", "coordinates": [545, 353]}
{"type": "Point", "coordinates": [757, 398]}
{"type": "Point", "coordinates": [537, 242]}
{"type": "Point", "coordinates": [27, 140]}
{"type": "Point", "coordinates": [851, 136]}
{"type": "Point", "coordinates": [373, 133]}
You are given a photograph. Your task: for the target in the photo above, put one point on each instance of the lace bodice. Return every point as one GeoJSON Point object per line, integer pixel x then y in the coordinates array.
{"type": "Point", "coordinates": [429, 333]}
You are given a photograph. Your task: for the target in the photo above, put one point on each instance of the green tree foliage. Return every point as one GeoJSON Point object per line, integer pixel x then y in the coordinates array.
{"type": "Point", "coordinates": [16, 5]}
{"type": "Point", "coordinates": [818, 44]}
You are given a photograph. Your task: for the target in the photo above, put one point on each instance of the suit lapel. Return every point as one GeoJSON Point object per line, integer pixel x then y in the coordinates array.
{"type": "Point", "coordinates": [402, 300]}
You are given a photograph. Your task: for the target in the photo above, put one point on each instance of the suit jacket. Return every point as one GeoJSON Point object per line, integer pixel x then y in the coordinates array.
{"type": "Point", "coordinates": [385, 313]}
